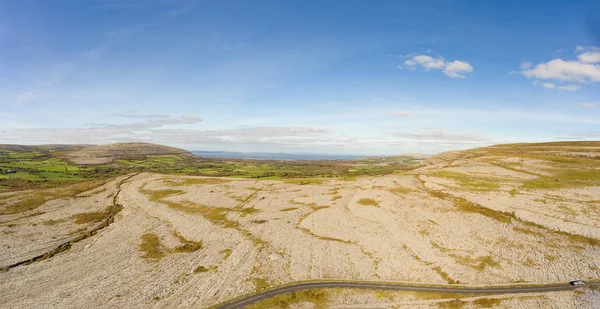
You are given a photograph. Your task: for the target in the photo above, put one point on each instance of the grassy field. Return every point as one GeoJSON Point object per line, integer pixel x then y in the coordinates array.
{"type": "Point", "coordinates": [34, 167]}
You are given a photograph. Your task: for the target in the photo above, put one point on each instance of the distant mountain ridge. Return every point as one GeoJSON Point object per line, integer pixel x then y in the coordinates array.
{"type": "Point", "coordinates": [101, 154]}
{"type": "Point", "coordinates": [273, 155]}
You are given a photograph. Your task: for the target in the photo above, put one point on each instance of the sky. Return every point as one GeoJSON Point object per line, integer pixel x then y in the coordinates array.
{"type": "Point", "coordinates": [337, 77]}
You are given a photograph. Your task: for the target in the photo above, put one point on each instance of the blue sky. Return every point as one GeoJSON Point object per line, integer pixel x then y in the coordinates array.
{"type": "Point", "coordinates": [357, 77]}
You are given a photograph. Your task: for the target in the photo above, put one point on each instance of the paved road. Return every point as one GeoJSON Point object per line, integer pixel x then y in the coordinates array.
{"type": "Point", "coordinates": [250, 299]}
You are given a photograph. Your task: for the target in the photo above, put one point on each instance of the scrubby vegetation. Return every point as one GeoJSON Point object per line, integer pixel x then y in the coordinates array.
{"type": "Point", "coordinates": [151, 247]}
{"type": "Point", "coordinates": [32, 200]}
{"type": "Point", "coordinates": [318, 297]}
{"type": "Point", "coordinates": [368, 202]}
{"type": "Point", "coordinates": [468, 181]}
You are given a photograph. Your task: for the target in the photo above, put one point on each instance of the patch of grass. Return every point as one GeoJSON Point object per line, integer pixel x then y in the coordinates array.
{"type": "Point", "coordinates": [53, 222]}
{"type": "Point", "coordinates": [202, 269]}
{"type": "Point", "coordinates": [91, 217]}
{"type": "Point", "coordinates": [204, 181]}
{"type": "Point", "coordinates": [216, 215]}
{"type": "Point", "coordinates": [259, 221]}
{"type": "Point", "coordinates": [527, 231]}
{"type": "Point", "coordinates": [247, 211]}
{"type": "Point", "coordinates": [260, 283]}
{"type": "Point", "coordinates": [318, 297]}
{"type": "Point", "coordinates": [471, 182]}
{"type": "Point", "coordinates": [465, 206]}
{"type": "Point", "coordinates": [335, 198]}
{"type": "Point", "coordinates": [77, 231]}
{"type": "Point", "coordinates": [226, 253]}
{"type": "Point", "coordinates": [187, 246]}
{"type": "Point", "coordinates": [565, 178]}
{"type": "Point", "coordinates": [316, 207]}
{"type": "Point", "coordinates": [401, 190]}
{"type": "Point", "coordinates": [529, 262]}
{"type": "Point", "coordinates": [326, 238]}
{"type": "Point", "coordinates": [33, 200]}
{"type": "Point", "coordinates": [479, 263]}
{"type": "Point", "coordinates": [368, 202]}
{"type": "Point", "coordinates": [151, 247]}
{"type": "Point", "coordinates": [306, 181]}
{"type": "Point", "coordinates": [549, 257]}
{"type": "Point", "coordinates": [452, 304]}
{"type": "Point", "coordinates": [444, 275]}
{"type": "Point", "coordinates": [487, 302]}
{"type": "Point", "coordinates": [289, 209]}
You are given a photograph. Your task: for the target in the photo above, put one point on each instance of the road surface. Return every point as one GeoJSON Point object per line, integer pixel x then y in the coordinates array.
{"type": "Point", "coordinates": [251, 299]}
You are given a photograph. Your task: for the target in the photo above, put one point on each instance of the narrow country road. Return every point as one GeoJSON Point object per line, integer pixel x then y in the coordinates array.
{"type": "Point", "coordinates": [253, 298]}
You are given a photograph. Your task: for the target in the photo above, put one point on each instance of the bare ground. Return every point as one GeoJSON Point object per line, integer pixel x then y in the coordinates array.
{"type": "Point", "coordinates": [193, 242]}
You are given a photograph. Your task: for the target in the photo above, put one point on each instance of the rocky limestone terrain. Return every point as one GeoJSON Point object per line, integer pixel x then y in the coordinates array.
{"type": "Point", "coordinates": [497, 215]}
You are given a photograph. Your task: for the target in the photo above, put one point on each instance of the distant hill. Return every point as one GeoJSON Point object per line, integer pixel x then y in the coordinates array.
{"type": "Point", "coordinates": [101, 154]}
{"type": "Point", "coordinates": [582, 149]}
{"type": "Point", "coordinates": [41, 148]}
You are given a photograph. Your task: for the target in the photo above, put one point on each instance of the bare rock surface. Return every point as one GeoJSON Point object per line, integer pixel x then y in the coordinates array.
{"type": "Point", "coordinates": [193, 242]}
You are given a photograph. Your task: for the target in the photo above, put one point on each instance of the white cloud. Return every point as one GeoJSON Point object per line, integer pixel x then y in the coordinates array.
{"type": "Point", "coordinates": [429, 62]}
{"type": "Point", "coordinates": [545, 85]}
{"type": "Point", "coordinates": [549, 85]}
{"type": "Point", "coordinates": [436, 134]}
{"type": "Point", "coordinates": [589, 57]}
{"type": "Point", "coordinates": [404, 114]}
{"type": "Point", "coordinates": [585, 69]}
{"type": "Point", "coordinates": [589, 104]}
{"type": "Point", "coordinates": [526, 65]}
{"type": "Point", "coordinates": [451, 69]}
{"type": "Point", "coordinates": [559, 69]}
{"type": "Point", "coordinates": [569, 87]}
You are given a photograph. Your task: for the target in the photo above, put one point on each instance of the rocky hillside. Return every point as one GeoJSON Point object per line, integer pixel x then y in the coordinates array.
{"type": "Point", "coordinates": [101, 154]}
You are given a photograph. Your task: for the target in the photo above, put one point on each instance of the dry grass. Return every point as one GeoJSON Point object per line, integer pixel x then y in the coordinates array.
{"type": "Point", "coordinates": [91, 217]}
{"type": "Point", "coordinates": [401, 190]}
{"type": "Point", "coordinates": [479, 263]}
{"type": "Point", "coordinates": [202, 269]}
{"type": "Point", "coordinates": [487, 302]}
{"type": "Point", "coordinates": [318, 297]}
{"type": "Point", "coordinates": [151, 247]}
{"type": "Point", "coordinates": [204, 181]}
{"type": "Point", "coordinates": [226, 253]}
{"type": "Point", "coordinates": [452, 304]}
{"type": "Point", "coordinates": [216, 215]}
{"type": "Point", "coordinates": [368, 202]}
{"type": "Point", "coordinates": [305, 181]}
{"type": "Point", "coordinates": [187, 246]}
{"type": "Point", "coordinates": [468, 181]}
{"type": "Point", "coordinates": [31, 201]}
{"type": "Point", "coordinates": [445, 275]}
{"type": "Point", "coordinates": [527, 231]}
{"type": "Point", "coordinates": [326, 238]}
{"type": "Point", "coordinates": [260, 283]}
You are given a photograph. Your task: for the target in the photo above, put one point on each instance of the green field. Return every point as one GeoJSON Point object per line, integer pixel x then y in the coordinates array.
{"type": "Point", "coordinates": [39, 166]}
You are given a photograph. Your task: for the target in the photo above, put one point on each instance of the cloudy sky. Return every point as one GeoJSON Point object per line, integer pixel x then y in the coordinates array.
{"type": "Point", "coordinates": [356, 77]}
